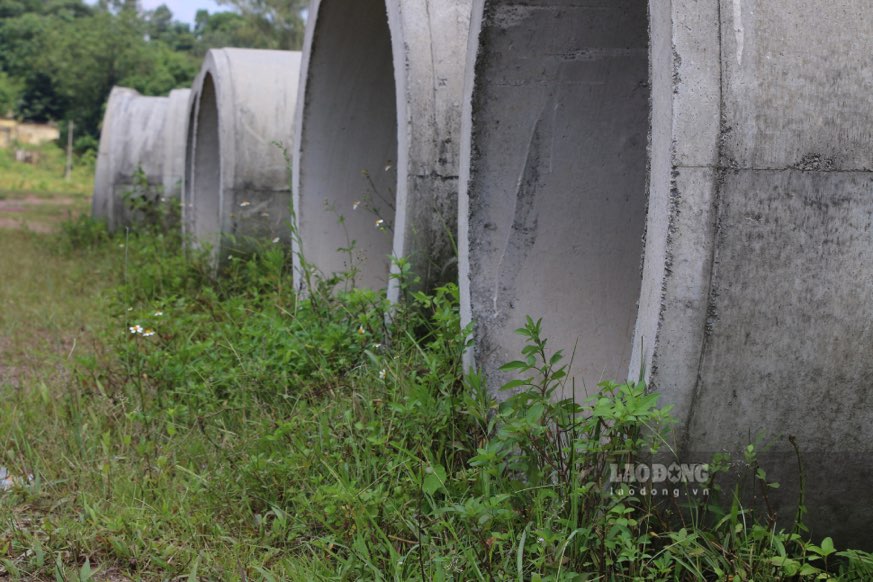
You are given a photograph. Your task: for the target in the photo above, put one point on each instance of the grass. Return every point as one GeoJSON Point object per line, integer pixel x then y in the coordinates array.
{"type": "Point", "coordinates": [38, 195]}
{"type": "Point", "coordinates": [46, 177]}
{"type": "Point", "coordinates": [181, 425]}
{"type": "Point", "coordinates": [258, 435]}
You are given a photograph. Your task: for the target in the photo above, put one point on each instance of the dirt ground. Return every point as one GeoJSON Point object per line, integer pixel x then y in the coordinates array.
{"type": "Point", "coordinates": [35, 213]}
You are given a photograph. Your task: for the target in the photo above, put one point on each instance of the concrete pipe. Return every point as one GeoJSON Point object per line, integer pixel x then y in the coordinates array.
{"type": "Point", "coordinates": [175, 134]}
{"type": "Point", "coordinates": [375, 162]}
{"type": "Point", "coordinates": [241, 116]}
{"type": "Point", "coordinates": [553, 199]}
{"type": "Point", "coordinates": [132, 139]}
{"type": "Point", "coordinates": [752, 312]}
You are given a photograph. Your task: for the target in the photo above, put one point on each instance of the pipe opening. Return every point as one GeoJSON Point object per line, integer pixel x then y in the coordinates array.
{"type": "Point", "coordinates": [557, 195]}
{"type": "Point", "coordinates": [206, 170]}
{"type": "Point", "coordinates": [348, 144]}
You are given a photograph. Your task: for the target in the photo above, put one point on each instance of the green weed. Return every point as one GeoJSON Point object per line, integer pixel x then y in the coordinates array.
{"type": "Point", "coordinates": [225, 427]}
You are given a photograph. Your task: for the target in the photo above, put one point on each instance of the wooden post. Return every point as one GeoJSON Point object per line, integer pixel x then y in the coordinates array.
{"type": "Point", "coordinates": [68, 172]}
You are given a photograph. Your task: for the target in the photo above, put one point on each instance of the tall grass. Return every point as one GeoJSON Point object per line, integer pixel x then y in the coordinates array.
{"type": "Point", "coordinates": [46, 176]}
{"type": "Point", "coordinates": [225, 428]}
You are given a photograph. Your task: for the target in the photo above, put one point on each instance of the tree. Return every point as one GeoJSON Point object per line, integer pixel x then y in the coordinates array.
{"type": "Point", "coordinates": [279, 23]}
{"type": "Point", "coordinates": [10, 89]}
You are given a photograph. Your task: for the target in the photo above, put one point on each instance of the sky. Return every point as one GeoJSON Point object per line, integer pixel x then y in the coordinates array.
{"type": "Point", "coordinates": [184, 10]}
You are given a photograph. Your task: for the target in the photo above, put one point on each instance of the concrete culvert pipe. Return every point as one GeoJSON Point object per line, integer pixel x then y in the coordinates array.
{"type": "Point", "coordinates": [752, 313]}
{"type": "Point", "coordinates": [241, 114]}
{"type": "Point", "coordinates": [553, 195]}
{"type": "Point", "coordinates": [175, 135]}
{"type": "Point", "coordinates": [375, 162]}
{"type": "Point", "coordinates": [137, 136]}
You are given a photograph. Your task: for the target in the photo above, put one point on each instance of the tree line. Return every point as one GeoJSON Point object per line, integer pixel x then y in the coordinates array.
{"type": "Point", "coordinates": [59, 59]}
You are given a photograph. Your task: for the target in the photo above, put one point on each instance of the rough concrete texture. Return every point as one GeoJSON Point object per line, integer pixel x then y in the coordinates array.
{"type": "Point", "coordinates": [553, 200]}
{"type": "Point", "coordinates": [377, 137]}
{"type": "Point", "coordinates": [132, 138]}
{"type": "Point", "coordinates": [752, 315]}
{"type": "Point", "coordinates": [175, 134]}
{"type": "Point", "coordinates": [755, 309]}
{"type": "Point", "coordinates": [241, 115]}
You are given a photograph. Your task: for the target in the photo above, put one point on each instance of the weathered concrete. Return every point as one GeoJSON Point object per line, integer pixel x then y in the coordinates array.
{"type": "Point", "coordinates": [175, 134]}
{"type": "Point", "coordinates": [553, 199]}
{"type": "Point", "coordinates": [133, 138]}
{"type": "Point", "coordinates": [754, 309]}
{"type": "Point", "coordinates": [377, 136]}
{"type": "Point", "coordinates": [241, 115]}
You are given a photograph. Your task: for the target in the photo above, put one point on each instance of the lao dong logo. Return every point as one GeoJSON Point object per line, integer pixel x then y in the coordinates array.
{"type": "Point", "coordinates": [658, 479]}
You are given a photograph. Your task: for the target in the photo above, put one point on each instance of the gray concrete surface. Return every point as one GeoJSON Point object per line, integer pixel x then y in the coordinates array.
{"type": "Point", "coordinates": [748, 299]}
{"type": "Point", "coordinates": [241, 115]}
{"type": "Point", "coordinates": [132, 138]}
{"type": "Point", "coordinates": [175, 134]}
{"type": "Point", "coordinates": [553, 200]}
{"type": "Point", "coordinates": [377, 137]}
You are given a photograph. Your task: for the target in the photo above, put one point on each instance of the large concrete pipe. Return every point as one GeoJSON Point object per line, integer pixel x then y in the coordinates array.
{"type": "Point", "coordinates": [241, 115]}
{"type": "Point", "coordinates": [132, 139]}
{"type": "Point", "coordinates": [752, 314]}
{"type": "Point", "coordinates": [175, 134]}
{"type": "Point", "coordinates": [375, 162]}
{"type": "Point", "coordinates": [554, 178]}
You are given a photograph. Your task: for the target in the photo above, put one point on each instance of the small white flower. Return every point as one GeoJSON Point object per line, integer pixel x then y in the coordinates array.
{"type": "Point", "coordinates": [158, 313]}
{"type": "Point", "coordinates": [148, 333]}
{"type": "Point", "coordinates": [383, 373]}
{"type": "Point", "coordinates": [377, 346]}
{"type": "Point", "coordinates": [541, 540]}
{"type": "Point", "coordinates": [121, 246]}
{"type": "Point", "coordinates": [130, 308]}
{"type": "Point", "coordinates": [135, 329]}
{"type": "Point", "coordinates": [276, 240]}
{"type": "Point", "coordinates": [244, 204]}
{"type": "Point", "coordinates": [380, 224]}
{"type": "Point", "coordinates": [399, 562]}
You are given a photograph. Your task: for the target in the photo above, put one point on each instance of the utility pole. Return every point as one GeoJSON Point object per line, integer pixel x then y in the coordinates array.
{"type": "Point", "coordinates": [68, 172]}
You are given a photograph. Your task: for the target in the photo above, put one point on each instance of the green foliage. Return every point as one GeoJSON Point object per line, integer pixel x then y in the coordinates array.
{"type": "Point", "coordinates": [60, 59]}
{"type": "Point", "coordinates": [46, 177]}
{"type": "Point", "coordinates": [222, 427]}
{"type": "Point", "coordinates": [277, 23]}
{"type": "Point", "coordinates": [147, 209]}
{"type": "Point", "coordinates": [9, 94]}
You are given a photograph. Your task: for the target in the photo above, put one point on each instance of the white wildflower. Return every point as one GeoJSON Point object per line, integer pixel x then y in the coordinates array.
{"type": "Point", "coordinates": [276, 240]}
{"type": "Point", "coordinates": [148, 333]}
{"type": "Point", "coordinates": [380, 224]}
{"type": "Point", "coordinates": [135, 329]}
{"type": "Point", "coordinates": [383, 373]}
{"type": "Point", "coordinates": [244, 204]}
{"type": "Point", "coordinates": [159, 313]}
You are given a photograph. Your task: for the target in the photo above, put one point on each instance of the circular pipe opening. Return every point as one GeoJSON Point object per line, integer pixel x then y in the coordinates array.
{"type": "Point", "coordinates": [206, 169]}
{"type": "Point", "coordinates": [347, 145]}
{"type": "Point", "coordinates": [553, 200]}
